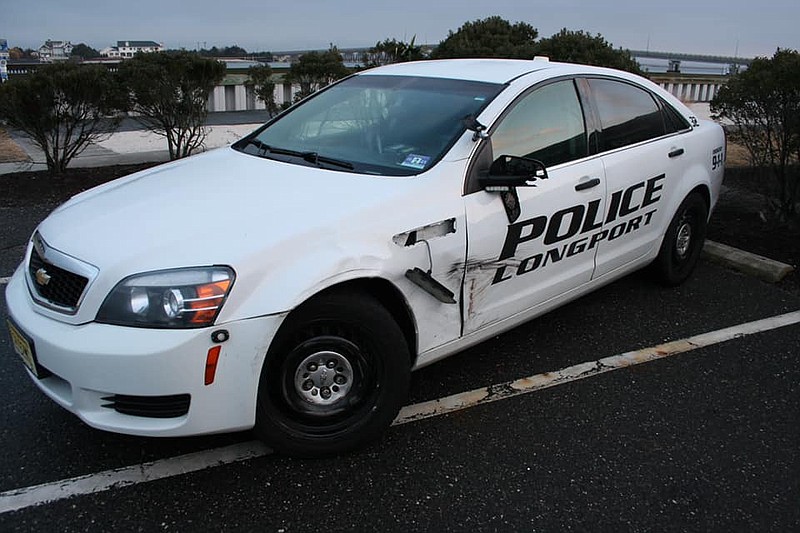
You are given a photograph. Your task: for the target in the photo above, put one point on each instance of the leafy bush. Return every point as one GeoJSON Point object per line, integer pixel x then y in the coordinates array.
{"type": "Point", "coordinates": [315, 70]}
{"type": "Point", "coordinates": [490, 37]}
{"type": "Point", "coordinates": [63, 107]}
{"type": "Point", "coordinates": [581, 47]}
{"type": "Point", "coordinates": [260, 78]}
{"type": "Point", "coordinates": [763, 103]}
{"type": "Point", "coordinates": [169, 95]}
{"type": "Point", "coordinates": [392, 51]}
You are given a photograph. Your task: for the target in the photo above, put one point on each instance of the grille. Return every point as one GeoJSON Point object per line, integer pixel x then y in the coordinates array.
{"type": "Point", "coordinates": [63, 289]}
{"type": "Point", "coordinates": [149, 406]}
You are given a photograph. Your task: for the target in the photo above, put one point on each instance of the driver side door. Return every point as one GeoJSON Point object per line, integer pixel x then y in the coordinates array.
{"type": "Point", "coordinates": [515, 265]}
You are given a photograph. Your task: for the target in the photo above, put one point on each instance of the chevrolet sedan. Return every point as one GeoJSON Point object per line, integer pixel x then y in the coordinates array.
{"type": "Point", "coordinates": [292, 281]}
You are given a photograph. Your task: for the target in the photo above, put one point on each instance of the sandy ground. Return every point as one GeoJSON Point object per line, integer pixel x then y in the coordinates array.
{"type": "Point", "coordinates": [10, 152]}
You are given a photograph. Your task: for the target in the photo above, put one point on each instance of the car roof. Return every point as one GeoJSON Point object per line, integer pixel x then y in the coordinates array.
{"type": "Point", "coordinates": [505, 71]}
{"type": "Point", "coordinates": [484, 70]}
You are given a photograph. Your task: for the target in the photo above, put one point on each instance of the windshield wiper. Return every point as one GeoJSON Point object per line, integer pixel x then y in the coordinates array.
{"type": "Point", "coordinates": [314, 157]}
{"type": "Point", "coordinates": [264, 150]}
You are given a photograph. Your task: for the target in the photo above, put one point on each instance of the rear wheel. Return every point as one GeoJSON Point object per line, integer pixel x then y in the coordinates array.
{"type": "Point", "coordinates": [335, 377]}
{"type": "Point", "coordinates": [683, 241]}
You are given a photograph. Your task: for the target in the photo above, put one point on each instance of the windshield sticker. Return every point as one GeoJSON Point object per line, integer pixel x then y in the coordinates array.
{"type": "Point", "coordinates": [416, 161]}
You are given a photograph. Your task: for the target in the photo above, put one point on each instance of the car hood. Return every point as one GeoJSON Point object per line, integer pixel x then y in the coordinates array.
{"type": "Point", "coordinates": [214, 208]}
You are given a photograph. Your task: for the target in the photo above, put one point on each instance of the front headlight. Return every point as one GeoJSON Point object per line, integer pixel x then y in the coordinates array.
{"type": "Point", "coordinates": [181, 298]}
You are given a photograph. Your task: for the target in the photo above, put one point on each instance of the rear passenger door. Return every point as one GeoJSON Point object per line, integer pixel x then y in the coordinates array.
{"type": "Point", "coordinates": [643, 155]}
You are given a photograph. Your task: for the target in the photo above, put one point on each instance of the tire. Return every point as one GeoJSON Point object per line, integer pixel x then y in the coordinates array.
{"type": "Point", "coordinates": [334, 379]}
{"type": "Point", "coordinates": [682, 242]}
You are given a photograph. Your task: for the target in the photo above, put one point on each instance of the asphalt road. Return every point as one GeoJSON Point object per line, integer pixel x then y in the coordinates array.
{"type": "Point", "coordinates": [708, 440]}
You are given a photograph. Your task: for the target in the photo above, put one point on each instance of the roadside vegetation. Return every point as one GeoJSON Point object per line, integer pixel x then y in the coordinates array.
{"type": "Point", "coordinates": [763, 104]}
{"type": "Point", "coordinates": [315, 70]}
{"type": "Point", "coordinates": [392, 51]}
{"type": "Point", "coordinates": [490, 37]}
{"type": "Point", "coordinates": [262, 80]}
{"type": "Point", "coordinates": [63, 108]}
{"type": "Point", "coordinates": [169, 94]}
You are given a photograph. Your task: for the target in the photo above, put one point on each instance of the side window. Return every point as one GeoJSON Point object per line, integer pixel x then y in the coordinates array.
{"type": "Point", "coordinates": [627, 114]}
{"type": "Point", "coordinates": [673, 119]}
{"type": "Point", "coordinates": [547, 125]}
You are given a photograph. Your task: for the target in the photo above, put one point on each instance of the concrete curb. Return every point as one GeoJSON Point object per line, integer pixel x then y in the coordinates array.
{"type": "Point", "coordinates": [755, 265]}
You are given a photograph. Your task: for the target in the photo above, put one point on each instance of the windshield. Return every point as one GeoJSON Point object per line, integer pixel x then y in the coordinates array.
{"type": "Point", "coordinates": [386, 125]}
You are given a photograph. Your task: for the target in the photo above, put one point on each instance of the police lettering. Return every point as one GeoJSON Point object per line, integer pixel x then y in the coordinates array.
{"type": "Point", "coordinates": [575, 221]}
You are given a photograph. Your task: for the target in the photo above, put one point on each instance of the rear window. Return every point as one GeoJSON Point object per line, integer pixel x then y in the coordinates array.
{"type": "Point", "coordinates": [628, 114]}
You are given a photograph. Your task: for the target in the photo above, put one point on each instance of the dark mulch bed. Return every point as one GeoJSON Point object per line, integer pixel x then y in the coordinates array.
{"type": "Point", "coordinates": [32, 188]}
{"type": "Point", "coordinates": [739, 220]}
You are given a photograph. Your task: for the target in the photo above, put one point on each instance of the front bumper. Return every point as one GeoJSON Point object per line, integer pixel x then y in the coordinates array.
{"type": "Point", "coordinates": [92, 362]}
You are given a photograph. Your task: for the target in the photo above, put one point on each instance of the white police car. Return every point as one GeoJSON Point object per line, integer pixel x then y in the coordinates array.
{"type": "Point", "coordinates": [292, 281]}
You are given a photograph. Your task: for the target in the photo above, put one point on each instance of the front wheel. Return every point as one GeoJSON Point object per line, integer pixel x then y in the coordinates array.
{"type": "Point", "coordinates": [683, 241]}
{"type": "Point", "coordinates": [335, 377]}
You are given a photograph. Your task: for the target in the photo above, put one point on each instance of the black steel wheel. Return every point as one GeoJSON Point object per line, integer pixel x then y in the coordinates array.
{"type": "Point", "coordinates": [683, 241]}
{"type": "Point", "coordinates": [334, 378]}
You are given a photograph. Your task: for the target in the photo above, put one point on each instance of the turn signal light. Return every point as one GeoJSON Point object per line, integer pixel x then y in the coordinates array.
{"type": "Point", "coordinates": [209, 298]}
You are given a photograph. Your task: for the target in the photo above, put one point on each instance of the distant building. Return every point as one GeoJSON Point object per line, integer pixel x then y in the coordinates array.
{"type": "Point", "coordinates": [126, 49]}
{"type": "Point", "coordinates": [55, 51]}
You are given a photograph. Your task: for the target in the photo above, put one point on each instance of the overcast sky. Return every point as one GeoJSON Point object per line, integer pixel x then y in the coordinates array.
{"type": "Point", "coordinates": [713, 27]}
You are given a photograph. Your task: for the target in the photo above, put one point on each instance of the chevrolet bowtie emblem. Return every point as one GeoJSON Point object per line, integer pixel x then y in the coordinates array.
{"type": "Point", "coordinates": [42, 277]}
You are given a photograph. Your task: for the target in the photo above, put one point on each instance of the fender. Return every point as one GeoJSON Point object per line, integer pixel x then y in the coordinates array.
{"type": "Point", "coordinates": [289, 271]}
{"type": "Point", "coordinates": [701, 172]}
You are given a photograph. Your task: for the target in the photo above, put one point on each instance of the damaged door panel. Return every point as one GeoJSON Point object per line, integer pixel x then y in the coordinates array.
{"type": "Point", "coordinates": [512, 267]}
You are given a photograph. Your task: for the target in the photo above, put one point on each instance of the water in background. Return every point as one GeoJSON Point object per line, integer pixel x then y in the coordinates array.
{"type": "Point", "coordinates": [687, 67]}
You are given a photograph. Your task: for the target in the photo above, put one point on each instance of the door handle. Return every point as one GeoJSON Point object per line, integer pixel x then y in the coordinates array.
{"type": "Point", "coordinates": [676, 152]}
{"type": "Point", "coordinates": [588, 184]}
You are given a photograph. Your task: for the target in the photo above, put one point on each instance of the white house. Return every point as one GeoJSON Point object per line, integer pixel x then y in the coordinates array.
{"type": "Point", "coordinates": [55, 51]}
{"type": "Point", "coordinates": [126, 49]}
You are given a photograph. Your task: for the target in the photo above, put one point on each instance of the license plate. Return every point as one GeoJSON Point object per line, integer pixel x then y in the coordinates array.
{"type": "Point", "coordinates": [23, 346]}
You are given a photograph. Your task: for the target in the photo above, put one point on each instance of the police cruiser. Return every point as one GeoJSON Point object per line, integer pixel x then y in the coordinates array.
{"type": "Point", "coordinates": [292, 281]}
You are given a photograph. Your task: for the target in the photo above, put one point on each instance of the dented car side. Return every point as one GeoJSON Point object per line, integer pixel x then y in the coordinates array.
{"type": "Point", "coordinates": [368, 239]}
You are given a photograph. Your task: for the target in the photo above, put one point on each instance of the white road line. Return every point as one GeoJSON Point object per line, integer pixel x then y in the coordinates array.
{"type": "Point", "coordinates": [3, 281]}
{"type": "Point", "coordinates": [14, 500]}
{"type": "Point", "coordinates": [501, 391]}
{"type": "Point", "coordinates": [17, 499]}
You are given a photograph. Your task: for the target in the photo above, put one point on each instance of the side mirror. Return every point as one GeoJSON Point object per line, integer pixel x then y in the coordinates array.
{"type": "Point", "coordinates": [509, 171]}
